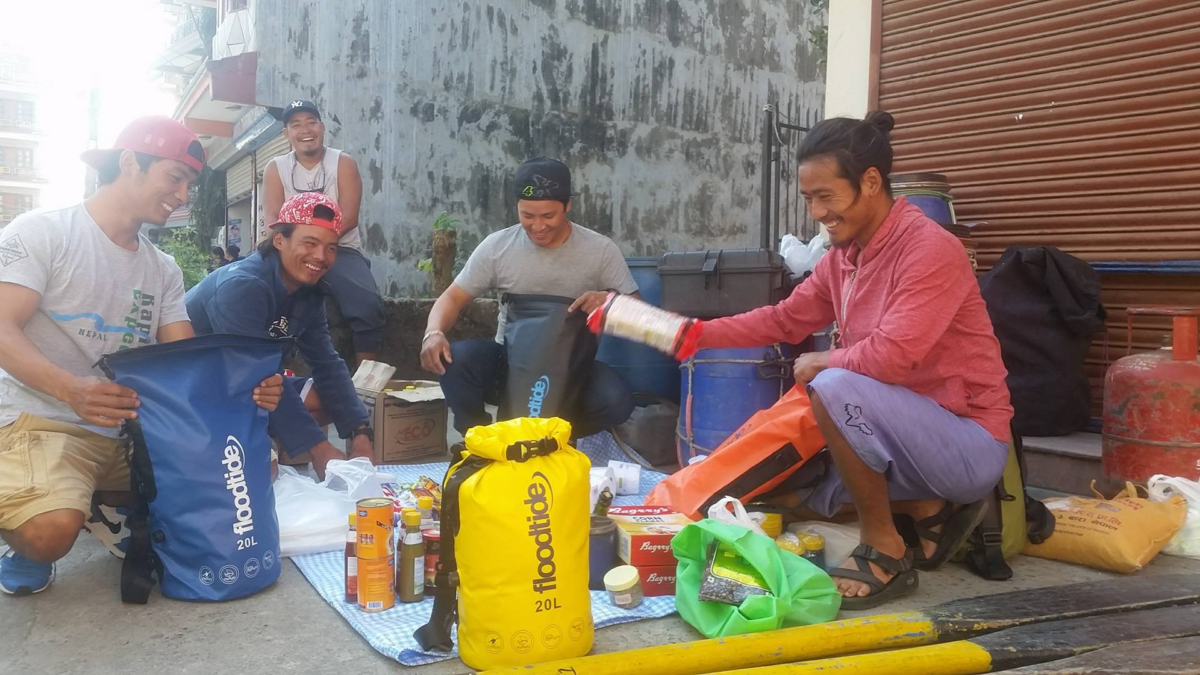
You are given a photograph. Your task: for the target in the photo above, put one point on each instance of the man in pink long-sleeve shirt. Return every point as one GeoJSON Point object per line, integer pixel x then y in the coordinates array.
{"type": "Point", "coordinates": [911, 400]}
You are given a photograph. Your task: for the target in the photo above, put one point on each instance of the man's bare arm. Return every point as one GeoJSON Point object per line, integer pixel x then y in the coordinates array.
{"type": "Point", "coordinates": [272, 194]}
{"type": "Point", "coordinates": [435, 348]}
{"type": "Point", "coordinates": [349, 191]}
{"type": "Point", "coordinates": [96, 401]}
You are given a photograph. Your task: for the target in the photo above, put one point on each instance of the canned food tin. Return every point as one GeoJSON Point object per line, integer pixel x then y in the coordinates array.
{"type": "Point", "coordinates": [433, 550]}
{"type": "Point", "coordinates": [375, 528]}
{"type": "Point", "coordinates": [377, 583]}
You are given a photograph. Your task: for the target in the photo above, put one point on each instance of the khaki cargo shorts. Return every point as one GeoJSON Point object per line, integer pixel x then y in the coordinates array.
{"type": "Point", "coordinates": [46, 466]}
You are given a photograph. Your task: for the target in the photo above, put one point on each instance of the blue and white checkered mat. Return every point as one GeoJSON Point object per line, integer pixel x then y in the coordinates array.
{"type": "Point", "coordinates": [391, 631]}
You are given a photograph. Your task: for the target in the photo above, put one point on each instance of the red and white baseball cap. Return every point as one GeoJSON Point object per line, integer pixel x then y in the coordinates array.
{"type": "Point", "coordinates": [157, 136]}
{"type": "Point", "coordinates": [302, 210]}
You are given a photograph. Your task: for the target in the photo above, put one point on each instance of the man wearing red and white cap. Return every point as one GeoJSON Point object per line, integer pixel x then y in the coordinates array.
{"type": "Point", "coordinates": [273, 293]}
{"type": "Point", "coordinates": [77, 283]}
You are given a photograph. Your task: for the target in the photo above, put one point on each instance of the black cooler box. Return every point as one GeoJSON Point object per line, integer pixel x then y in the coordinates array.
{"type": "Point", "coordinates": [713, 284]}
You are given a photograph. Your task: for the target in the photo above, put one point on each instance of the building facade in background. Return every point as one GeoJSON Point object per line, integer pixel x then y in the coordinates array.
{"type": "Point", "coordinates": [21, 180]}
{"type": "Point", "coordinates": [657, 107]}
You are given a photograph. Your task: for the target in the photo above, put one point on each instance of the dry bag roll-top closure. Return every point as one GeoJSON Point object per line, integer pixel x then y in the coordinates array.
{"type": "Point", "coordinates": [513, 570]}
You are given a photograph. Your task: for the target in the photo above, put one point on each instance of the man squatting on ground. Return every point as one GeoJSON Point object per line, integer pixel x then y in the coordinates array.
{"type": "Point", "coordinates": [273, 293]}
{"type": "Point", "coordinates": [912, 400]}
{"type": "Point", "coordinates": [77, 283]}
{"type": "Point", "coordinates": [545, 254]}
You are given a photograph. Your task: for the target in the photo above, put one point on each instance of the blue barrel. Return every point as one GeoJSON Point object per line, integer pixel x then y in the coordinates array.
{"type": "Point", "coordinates": [642, 369]}
{"type": "Point", "coordinates": [726, 388]}
{"type": "Point", "coordinates": [929, 192]}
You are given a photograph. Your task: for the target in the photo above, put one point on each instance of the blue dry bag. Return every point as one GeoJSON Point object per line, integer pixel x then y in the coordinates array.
{"type": "Point", "coordinates": [203, 514]}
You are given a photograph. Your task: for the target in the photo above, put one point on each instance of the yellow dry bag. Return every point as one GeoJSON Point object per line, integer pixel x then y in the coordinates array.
{"type": "Point", "coordinates": [514, 553]}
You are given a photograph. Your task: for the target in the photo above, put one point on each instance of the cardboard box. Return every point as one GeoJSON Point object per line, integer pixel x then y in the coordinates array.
{"type": "Point", "coordinates": [644, 534]}
{"type": "Point", "coordinates": [409, 416]}
{"type": "Point", "coordinates": [657, 581]}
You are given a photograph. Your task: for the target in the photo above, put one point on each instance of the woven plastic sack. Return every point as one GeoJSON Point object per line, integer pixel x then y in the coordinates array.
{"type": "Point", "coordinates": [802, 594]}
{"type": "Point", "coordinates": [1121, 534]}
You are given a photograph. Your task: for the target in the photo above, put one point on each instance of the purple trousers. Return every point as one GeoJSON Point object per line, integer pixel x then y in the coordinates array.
{"type": "Point", "coordinates": [924, 450]}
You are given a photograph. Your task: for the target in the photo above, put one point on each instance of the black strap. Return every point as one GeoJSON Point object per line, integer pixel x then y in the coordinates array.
{"type": "Point", "coordinates": [523, 450]}
{"type": "Point", "coordinates": [1039, 521]}
{"type": "Point", "coordinates": [985, 555]}
{"type": "Point", "coordinates": [783, 460]}
{"type": "Point", "coordinates": [435, 635]}
{"type": "Point", "coordinates": [141, 564]}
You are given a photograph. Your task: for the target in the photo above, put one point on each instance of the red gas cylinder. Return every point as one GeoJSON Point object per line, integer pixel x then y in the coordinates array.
{"type": "Point", "coordinates": [1152, 405]}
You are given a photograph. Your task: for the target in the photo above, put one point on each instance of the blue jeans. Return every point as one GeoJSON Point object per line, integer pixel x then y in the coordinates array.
{"type": "Point", "coordinates": [477, 377]}
{"type": "Point", "coordinates": [350, 283]}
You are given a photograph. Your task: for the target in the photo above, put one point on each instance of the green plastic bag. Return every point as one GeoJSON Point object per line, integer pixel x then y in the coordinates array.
{"type": "Point", "coordinates": [802, 593]}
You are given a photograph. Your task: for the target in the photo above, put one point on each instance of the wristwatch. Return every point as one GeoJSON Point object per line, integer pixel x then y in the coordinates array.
{"type": "Point", "coordinates": [363, 430]}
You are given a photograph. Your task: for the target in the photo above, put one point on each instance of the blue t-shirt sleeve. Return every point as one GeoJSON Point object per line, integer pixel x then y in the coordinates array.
{"type": "Point", "coordinates": [330, 375]}
{"type": "Point", "coordinates": [240, 306]}
{"type": "Point", "coordinates": [243, 306]}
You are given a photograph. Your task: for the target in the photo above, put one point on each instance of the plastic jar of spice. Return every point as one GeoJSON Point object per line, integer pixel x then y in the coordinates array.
{"type": "Point", "coordinates": [624, 586]}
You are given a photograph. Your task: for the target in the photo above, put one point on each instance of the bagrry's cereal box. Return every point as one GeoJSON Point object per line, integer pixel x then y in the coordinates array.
{"type": "Point", "coordinates": [644, 533]}
{"type": "Point", "coordinates": [657, 581]}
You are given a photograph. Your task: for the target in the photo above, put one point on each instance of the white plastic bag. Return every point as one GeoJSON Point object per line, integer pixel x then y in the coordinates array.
{"type": "Point", "coordinates": [628, 477]}
{"type": "Point", "coordinates": [840, 539]}
{"type": "Point", "coordinates": [313, 516]}
{"type": "Point", "coordinates": [1186, 542]}
{"type": "Point", "coordinates": [731, 512]}
{"type": "Point", "coordinates": [799, 257]}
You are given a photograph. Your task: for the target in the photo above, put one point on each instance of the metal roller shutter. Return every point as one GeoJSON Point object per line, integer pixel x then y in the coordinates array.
{"type": "Point", "coordinates": [275, 147]}
{"type": "Point", "coordinates": [1069, 123]}
{"type": "Point", "coordinates": [239, 180]}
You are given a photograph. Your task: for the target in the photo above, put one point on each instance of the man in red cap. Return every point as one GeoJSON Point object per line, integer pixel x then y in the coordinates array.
{"type": "Point", "coordinates": [77, 283]}
{"type": "Point", "coordinates": [273, 293]}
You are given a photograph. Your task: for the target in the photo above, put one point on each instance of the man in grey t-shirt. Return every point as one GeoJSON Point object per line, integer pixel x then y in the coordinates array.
{"type": "Point", "coordinates": [546, 254]}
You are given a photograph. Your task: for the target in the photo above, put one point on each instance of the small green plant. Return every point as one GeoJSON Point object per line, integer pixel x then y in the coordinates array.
{"type": "Point", "coordinates": [819, 37]}
{"type": "Point", "coordinates": [445, 222]}
{"type": "Point", "coordinates": [425, 264]}
{"type": "Point", "coordinates": [183, 245]}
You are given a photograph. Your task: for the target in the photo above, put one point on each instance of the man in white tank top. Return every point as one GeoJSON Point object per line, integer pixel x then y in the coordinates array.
{"type": "Point", "coordinates": [312, 167]}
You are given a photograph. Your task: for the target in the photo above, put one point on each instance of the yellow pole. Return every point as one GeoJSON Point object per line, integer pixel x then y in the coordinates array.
{"type": "Point", "coordinates": [889, 631]}
{"type": "Point", "coordinates": [952, 658]}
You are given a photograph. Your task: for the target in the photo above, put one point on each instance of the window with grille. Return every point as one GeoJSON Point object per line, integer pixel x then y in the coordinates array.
{"type": "Point", "coordinates": [25, 111]}
{"type": "Point", "coordinates": [25, 158]}
{"type": "Point", "coordinates": [24, 203]}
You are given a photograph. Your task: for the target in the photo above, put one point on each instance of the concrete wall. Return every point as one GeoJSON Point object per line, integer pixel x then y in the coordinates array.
{"type": "Point", "coordinates": [654, 103]}
{"type": "Point", "coordinates": [849, 63]}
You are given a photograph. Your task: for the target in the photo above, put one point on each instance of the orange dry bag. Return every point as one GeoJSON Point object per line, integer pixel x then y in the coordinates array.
{"type": "Point", "coordinates": [770, 447]}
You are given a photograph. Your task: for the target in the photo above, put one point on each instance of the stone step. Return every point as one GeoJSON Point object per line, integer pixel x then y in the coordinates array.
{"type": "Point", "coordinates": [1066, 464]}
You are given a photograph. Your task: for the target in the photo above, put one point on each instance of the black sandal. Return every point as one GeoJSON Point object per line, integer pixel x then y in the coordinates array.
{"type": "Point", "coordinates": [957, 528]}
{"type": "Point", "coordinates": [903, 583]}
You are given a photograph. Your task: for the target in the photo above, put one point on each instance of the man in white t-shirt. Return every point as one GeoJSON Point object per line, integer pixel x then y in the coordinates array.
{"type": "Point", "coordinates": [312, 167]}
{"type": "Point", "coordinates": [77, 283]}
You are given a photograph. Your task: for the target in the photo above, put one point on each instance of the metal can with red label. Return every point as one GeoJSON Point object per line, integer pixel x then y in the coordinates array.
{"type": "Point", "coordinates": [433, 551]}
